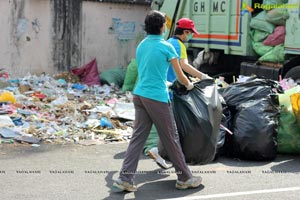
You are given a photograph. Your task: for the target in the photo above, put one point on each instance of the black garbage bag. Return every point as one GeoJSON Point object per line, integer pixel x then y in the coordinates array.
{"type": "Point", "coordinates": [225, 126]}
{"type": "Point", "coordinates": [255, 130]}
{"type": "Point", "coordinates": [198, 116]}
{"type": "Point", "coordinates": [254, 89]}
{"type": "Point", "coordinates": [238, 93]}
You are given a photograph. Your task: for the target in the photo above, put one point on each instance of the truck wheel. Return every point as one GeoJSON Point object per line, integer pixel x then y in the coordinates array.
{"type": "Point", "coordinates": [294, 73]}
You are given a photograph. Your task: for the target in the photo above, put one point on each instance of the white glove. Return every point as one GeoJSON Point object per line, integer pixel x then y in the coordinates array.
{"type": "Point", "coordinates": [199, 59]}
{"type": "Point", "coordinates": [205, 76]}
{"type": "Point", "coordinates": [169, 84]}
{"type": "Point", "coordinates": [189, 86]}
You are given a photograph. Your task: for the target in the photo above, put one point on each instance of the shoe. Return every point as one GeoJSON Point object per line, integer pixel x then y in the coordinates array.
{"type": "Point", "coordinates": [153, 153]}
{"type": "Point", "coordinates": [120, 186]}
{"type": "Point", "coordinates": [191, 183]}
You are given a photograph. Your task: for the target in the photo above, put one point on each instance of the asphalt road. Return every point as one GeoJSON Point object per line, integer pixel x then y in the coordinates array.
{"type": "Point", "coordinates": [71, 172]}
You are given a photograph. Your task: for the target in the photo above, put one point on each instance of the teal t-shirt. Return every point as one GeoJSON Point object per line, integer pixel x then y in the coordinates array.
{"type": "Point", "coordinates": [153, 57]}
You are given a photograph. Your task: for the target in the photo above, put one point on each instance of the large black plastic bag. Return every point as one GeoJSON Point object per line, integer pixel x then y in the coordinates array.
{"type": "Point", "coordinates": [255, 130]}
{"type": "Point", "coordinates": [198, 116]}
{"type": "Point", "coordinates": [238, 93]}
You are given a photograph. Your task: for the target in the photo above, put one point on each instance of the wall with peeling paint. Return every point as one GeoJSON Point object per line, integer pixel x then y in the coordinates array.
{"type": "Point", "coordinates": [24, 41]}
{"type": "Point", "coordinates": [53, 35]}
{"type": "Point", "coordinates": [111, 32]}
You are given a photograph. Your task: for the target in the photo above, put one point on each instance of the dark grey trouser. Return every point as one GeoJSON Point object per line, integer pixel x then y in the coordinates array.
{"type": "Point", "coordinates": [147, 112]}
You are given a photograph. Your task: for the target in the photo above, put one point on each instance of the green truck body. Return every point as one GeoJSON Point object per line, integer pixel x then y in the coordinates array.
{"type": "Point", "coordinates": [224, 27]}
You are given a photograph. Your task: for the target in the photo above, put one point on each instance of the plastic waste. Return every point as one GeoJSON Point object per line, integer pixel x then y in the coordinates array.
{"type": "Point", "coordinates": [3, 74]}
{"type": "Point", "coordinates": [255, 134]}
{"type": "Point", "coordinates": [7, 96]}
{"type": "Point", "coordinates": [10, 141]}
{"type": "Point", "coordinates": [252, 89]}
{"type": "Point", "coordinates": [105, 90]}
{"type": "Point", "coordinates": [61, 82]}
{"type": "Point", "coordinates": [198, 114]}
{"type": "Point", "coordinates": [295, 102]}
{"type": "Point", "coordinates": [59, 101]}
{"type": "Point", "coordinates": [5, 121]}
{"type": "Point", "coordinates": [289, 129]}
{"type": "Point", "coordinates": [243, 78]}
{"type": "Point", "coordinates": [17, 121]}
{"type": "Point", "coordinates": [104, 122]}
{"type": "Point", "coordinates": [28, 139]}
{"type": "Point", "coordinates": [287, 84]}
{"type": "Point", "coordinates": [39, 95]}
{"type": "Point", "coordinates": [24, 112]}
{"type": "Point", "coordinates": [88, 73]}
{"type": "Point", "coordinates": [78, 86]}
{"type": "Point", "coordinates": [8, 133]}
{"type": "Point", "coordinates": [221, 82]}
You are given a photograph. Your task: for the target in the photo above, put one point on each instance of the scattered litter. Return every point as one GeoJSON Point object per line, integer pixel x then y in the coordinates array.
{"type": "Point", "coordinates": [6, 141]}
{"type": "Point", "coordinates": [125, 110]}
{"type": "Point", "coordinates": [62, 109]}
{"type": "Point", "coordinates": [105, 123]}
{"type": "Point", "coordinates": [90, 142]}
{"type": "Point", "coordinates": [5, 121]}
{"type": "Point", "coordinates": [8, 133]}
{"type": "Point", "coordinates": [7, 96]}
{"type": "Point", "coordinates": [28, 139]}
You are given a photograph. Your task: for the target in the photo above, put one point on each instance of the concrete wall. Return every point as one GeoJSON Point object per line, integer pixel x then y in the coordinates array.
{"type": "Point", "coordinates": [24, 36]}
{"type": "Point", "coordinates": [111, 32]}
{"type": "Point", "coordinates": [54, 35]}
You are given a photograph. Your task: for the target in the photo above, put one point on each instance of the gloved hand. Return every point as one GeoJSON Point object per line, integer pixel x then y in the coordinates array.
{"type": "Point", "coordinates": [205, 76]}
{"type": "Point", "coordinates": [169, 84]}
{"type": "Point", "coordinates": [190, 86]}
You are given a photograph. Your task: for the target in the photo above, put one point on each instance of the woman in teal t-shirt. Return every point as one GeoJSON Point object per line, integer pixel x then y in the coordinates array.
{"type": "Point", "coordinates": [152, 105]}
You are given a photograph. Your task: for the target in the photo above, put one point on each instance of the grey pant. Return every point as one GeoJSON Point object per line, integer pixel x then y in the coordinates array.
{"type": "Point", "coordinates": [147, 112]}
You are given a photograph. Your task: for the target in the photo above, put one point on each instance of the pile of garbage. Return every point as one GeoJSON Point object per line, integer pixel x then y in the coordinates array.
{"type": "Point", "coordinates": [251, 119]}
{"type": "Point", "coordinates": [263, 116]}
{"type": "Point", "coordinates": [268, 32]}
{"type": "Point", "coordinates": [61, 109]}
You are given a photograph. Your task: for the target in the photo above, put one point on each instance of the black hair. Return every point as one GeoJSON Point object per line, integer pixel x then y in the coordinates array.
{"type": "Point", "coordinates": [179, 31]}
{"type": "Point", "coordinates": [154, 21]}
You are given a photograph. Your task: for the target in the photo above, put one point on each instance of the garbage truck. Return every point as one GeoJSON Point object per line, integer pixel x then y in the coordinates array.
{"type": "Point", "coordinates": [225, 42]}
